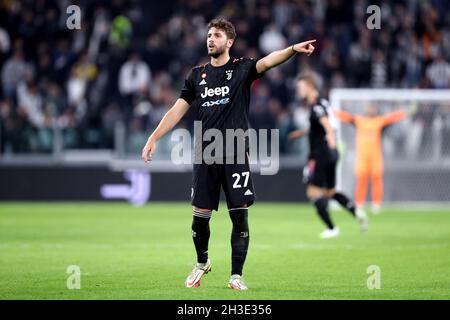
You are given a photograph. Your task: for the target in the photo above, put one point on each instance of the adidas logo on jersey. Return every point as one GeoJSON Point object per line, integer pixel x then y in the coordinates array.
{"type": "Point", "coordinates": [248, 193]}
{"type": "Point", "coordinates": [203, 82]}
{"type": "Point", "coordinates": [210, 92]}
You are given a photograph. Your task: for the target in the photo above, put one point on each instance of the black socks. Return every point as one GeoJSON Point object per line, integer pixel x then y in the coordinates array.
{"type": "Point", "coordinates": [200, 234]}
{"type": "Point", "coordinates": [239, 239]}
{"type": "Point", "coordinates": [345, 202]}
{"type": "Point", "coordinates": [322, 209]}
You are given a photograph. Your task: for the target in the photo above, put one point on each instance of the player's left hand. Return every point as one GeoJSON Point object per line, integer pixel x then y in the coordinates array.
{"type": "Point", "coordinates": [304, 47]}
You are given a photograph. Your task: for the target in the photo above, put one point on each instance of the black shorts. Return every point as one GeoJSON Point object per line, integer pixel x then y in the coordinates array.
{"type": "Point", "coordinates": [321, 169]}
{"type": "Point", "coordinates": [235, 179]}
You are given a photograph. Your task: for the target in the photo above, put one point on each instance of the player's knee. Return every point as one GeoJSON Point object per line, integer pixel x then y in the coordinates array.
{"type": "Point", "coordinates": [362, 174]}
{"type": "Point", "coordinates": [201, 209]}
{"type": "Point", "coordinates": [200, 223]}
{"type": "Point", "coordinates": [200, 219]}
{"type": "Point", "coordinates": [314, 193]}
{"type": "Point", "coordinates": [377, 177]}
{"type": "Point", "coordinates": [330, 193]}
{"type": "Point", "coordinates": [239, 218]}
{"type": "Point", "coordinates": [321, 203]}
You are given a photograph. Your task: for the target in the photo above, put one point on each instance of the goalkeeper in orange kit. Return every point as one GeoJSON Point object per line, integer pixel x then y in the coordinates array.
{"type": "Point", "coordinates": [369, 154]}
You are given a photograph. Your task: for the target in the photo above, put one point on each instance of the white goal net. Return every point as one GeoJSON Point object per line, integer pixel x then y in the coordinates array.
{"type": "Point", "coordinates": [416, 150]}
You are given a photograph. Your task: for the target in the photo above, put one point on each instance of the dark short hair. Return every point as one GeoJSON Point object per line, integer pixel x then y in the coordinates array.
{"type": "Point", "coordinates": [308, 78]}
{"type": "Point", "coordinates": [224, 25]}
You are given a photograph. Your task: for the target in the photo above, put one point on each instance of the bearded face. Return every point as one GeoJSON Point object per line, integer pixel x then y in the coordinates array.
{"type": "Point", "coordinates": [217, 42]}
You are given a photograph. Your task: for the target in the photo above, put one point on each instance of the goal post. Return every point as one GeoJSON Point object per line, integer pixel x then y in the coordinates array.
{"type": "Point", "coordinates": [416, 150]}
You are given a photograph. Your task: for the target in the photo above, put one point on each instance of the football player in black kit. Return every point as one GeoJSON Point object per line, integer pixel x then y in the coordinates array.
{"type": "Point", "coordinates": [219, 92]}
{"type": "Point", "coordinates": [320, 173]}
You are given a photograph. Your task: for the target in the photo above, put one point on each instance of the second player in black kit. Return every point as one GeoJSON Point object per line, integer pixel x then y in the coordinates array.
{"type": "Point", "coordinates": [323, 171]}
{"type": "Point", "coordinates": [219, 95]}
{"type": "Point", "coordinates": [320, 172]}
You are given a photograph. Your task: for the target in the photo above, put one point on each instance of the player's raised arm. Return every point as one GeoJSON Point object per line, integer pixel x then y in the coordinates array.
{"type": "Point", "coordinates": [344, 116]}
{"type": "Point", "coordinates": [393, 117]}
{"type": "Point", "coordinates": [170, 119]}
{"type": "Point", "coordinates": [278, 57]}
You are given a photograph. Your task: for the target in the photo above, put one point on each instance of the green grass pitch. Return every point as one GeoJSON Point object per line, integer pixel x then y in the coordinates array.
{"type": "Point", "coordinates": [146, 253]}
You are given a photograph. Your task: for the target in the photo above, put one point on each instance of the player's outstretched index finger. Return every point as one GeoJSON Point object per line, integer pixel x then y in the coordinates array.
{"type": "Point", "coordinates": [309, 41]}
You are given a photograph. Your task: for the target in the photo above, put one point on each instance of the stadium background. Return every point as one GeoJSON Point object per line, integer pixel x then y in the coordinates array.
{"type": "Point", "coordinates": [76, 108]}
{"type": "Point", "coordinates": [90, 97]}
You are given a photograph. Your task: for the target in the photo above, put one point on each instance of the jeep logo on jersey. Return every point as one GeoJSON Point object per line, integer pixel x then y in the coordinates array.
{"type": "Point", "coordinates": [209, 92]}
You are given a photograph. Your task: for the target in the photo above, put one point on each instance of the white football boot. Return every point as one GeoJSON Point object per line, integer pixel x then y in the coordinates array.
{"type": "Point", "coordinates": [237, 283]}
{"type": "Point", "coordinates": [194, 278]}
{"type": "Point", "coordinates": [361, 216]}
{"type": "Point", "coordinates": [330, 233]}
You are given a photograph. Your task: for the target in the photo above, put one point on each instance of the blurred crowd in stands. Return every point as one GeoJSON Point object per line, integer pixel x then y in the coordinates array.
{"type": "Point", "coordinates": [128, 61]}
